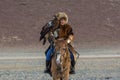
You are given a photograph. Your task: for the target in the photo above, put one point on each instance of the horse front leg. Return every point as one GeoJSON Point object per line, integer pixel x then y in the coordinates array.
{"type": "Point", "coordinates": [57, 79]}
{"type": "Point", "coordinates": [65, 78]}
{"type": "Point", "coordinates": [66, 75]}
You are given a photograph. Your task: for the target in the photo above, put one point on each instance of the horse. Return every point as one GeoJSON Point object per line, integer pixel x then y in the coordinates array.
{"type": "Point", "coordinates": [60, 64]}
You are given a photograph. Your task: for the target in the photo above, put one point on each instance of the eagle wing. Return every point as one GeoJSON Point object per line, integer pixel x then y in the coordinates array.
{"type": "Point", "coordinates": [45, 29]}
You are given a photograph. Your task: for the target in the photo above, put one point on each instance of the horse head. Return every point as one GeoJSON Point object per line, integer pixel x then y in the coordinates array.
{"type": "Point", "coordinates": [61, 53]}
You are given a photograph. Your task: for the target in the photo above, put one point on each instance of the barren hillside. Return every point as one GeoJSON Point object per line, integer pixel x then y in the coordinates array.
{"type": "Point", "coordinates": [95, 22]}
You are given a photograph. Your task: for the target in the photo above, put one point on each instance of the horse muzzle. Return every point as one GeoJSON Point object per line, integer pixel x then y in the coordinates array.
{"type": "Point", "coordinates": [58, 61]}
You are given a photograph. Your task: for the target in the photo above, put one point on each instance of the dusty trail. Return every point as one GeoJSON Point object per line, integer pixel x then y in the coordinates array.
{"type": "Point", "coordinates": [86, 69]}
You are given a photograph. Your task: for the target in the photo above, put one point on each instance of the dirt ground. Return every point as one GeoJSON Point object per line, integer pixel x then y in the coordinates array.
{"type": "Point", "coordinates": [86, 69]}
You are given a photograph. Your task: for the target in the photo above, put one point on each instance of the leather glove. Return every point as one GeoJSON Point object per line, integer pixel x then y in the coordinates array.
{"type": "Point", "coordinates": [70, 38]}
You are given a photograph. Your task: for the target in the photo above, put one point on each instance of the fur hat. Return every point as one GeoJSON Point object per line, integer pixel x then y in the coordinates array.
{"type": "Point", "coordinates": [61, 15]}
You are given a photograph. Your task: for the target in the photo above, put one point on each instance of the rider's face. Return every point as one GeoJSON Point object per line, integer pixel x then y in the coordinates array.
{"type": "Point", "coordinates": [62, 22]}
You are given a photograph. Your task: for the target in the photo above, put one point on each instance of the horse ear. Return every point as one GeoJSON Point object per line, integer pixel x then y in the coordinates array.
{"type": "Point", "coordinates": [65, 42]}
{"type": "Point", "coordinates": [54, 42]}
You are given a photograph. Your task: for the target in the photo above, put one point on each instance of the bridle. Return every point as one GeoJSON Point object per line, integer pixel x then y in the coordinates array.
{"type": "Point", "coordinates": [59, 62]}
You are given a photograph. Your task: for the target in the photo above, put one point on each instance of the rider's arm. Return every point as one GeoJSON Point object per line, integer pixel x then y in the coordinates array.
{"type": "Point", "coordinates": [70, 38]}
{"type": "Point", "coordinates": [70, 35]}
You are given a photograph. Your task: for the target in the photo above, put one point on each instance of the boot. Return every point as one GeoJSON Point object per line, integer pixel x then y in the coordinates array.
{"type": "Point", "coordinates": [48, 66]}
{"type": "Point", "coordinates": [72, 67]}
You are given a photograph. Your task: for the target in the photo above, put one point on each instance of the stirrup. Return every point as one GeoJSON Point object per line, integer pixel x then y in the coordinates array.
{"type": "Point", "coordinates": [72, 72]}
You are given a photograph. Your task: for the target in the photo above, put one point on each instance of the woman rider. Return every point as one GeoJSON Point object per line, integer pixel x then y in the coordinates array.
{"type": "Point", "coordinates": [63, 31]}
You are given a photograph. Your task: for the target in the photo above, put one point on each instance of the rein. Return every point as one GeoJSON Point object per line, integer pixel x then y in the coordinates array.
{"type": "Point", "coordinates": [78, 55]}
